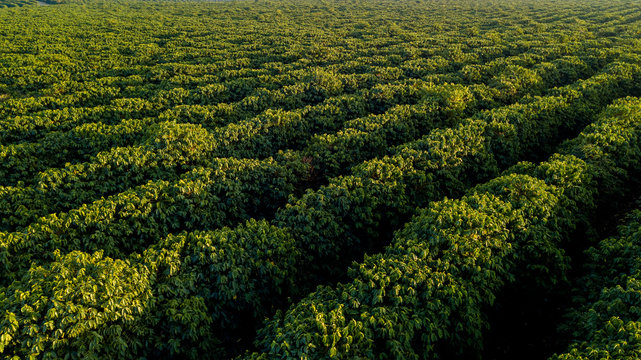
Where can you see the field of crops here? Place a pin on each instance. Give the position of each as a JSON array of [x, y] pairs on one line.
[[320, 179]]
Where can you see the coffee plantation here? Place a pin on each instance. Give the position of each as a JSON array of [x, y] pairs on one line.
[[320, 179]]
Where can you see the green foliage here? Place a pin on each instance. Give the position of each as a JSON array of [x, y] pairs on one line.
[[208, 283], [81, 306], [450, 261], [605, 321], [227, 192], [174, 173], [14, 3]]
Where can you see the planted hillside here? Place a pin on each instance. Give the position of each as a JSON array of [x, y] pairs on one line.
[[316, 179]]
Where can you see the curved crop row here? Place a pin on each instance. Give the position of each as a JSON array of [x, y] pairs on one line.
[[432, 283], [48, 232], [352, 212], [253, 77], [21, 162], [102, 225], [35, 117], [334, 196]]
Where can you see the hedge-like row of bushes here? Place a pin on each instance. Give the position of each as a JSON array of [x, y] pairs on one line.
[[22, 162], [193, 108], [127, 222], [244, 96], [401, 205], [35, 125], [49, 148], [249, 84], [424, 296]]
